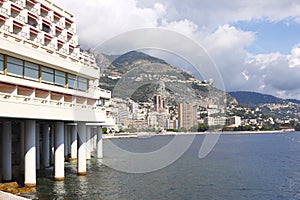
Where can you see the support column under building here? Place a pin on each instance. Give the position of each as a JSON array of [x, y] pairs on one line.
[[66, 130], [30, 153], [99, 143], [52, 145], [81, 152], [37, 146], [88, 142], [46, 146], [59, 158], [6, 151], [22, 144], [73, 143]]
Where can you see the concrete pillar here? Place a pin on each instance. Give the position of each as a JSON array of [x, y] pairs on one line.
[[99, 143], [88, 142], [46, 145], [37, 146], [94, 141], [22, 144], [30, 153], [66, 141], [52, 145], [73, 143], [81, 152], [59, 158], [69, 138], [6, 151]]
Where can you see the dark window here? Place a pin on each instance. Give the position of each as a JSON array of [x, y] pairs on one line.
[[47, 75], [82, 84], [72, 82], [14, 66], [1, 63], [60, 78], [31, 70]]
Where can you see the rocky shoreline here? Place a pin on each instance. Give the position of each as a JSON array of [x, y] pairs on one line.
[[13, 188]]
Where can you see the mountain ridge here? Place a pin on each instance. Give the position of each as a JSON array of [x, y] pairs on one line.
[[248, 98]]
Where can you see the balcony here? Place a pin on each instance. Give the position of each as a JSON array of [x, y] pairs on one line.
[[18, 2], [5, 27], [33, 10], [22, 34], [18, 17], [55, 109], [3, 11]]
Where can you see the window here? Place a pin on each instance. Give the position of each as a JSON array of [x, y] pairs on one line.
[[60, 78], [1, 63], [82, 84], [72, 82], [47, 75], [14, 66], [31, 70]]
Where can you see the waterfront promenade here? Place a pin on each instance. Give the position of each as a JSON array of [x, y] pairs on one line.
[[7, 196]]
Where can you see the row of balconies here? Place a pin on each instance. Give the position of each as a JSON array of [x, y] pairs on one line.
[[62, 51], [43, 11]]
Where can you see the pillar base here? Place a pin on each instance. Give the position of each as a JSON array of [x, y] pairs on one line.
[[59, 178], [30, 184], [81, 173], [72, 160]]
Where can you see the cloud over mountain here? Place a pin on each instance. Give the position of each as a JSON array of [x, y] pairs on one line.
[[212, 23]]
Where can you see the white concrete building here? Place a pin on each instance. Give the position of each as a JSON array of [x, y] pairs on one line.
[[46, 84]]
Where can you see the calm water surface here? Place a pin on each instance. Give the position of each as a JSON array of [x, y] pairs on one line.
[[239, 167]]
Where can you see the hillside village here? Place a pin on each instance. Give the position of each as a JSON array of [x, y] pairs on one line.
[[193, 105]]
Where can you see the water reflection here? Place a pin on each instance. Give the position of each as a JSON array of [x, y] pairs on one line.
[[59, 189]]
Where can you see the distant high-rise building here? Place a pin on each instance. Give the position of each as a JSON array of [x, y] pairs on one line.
[[159, 104], [187, 115]]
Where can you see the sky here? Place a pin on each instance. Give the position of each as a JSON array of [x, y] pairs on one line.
[[255, 44]]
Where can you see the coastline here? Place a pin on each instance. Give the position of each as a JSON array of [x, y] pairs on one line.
[[150, 134]]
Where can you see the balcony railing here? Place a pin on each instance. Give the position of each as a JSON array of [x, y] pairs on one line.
[[63, 50], [22, 34], [5, 27], [18, 17], [72, 42], [62, 37], [71, 29], [31, 9], [51, 46], [18, 2], [3, 11], [38, 40], [74, 54], [59, 23]]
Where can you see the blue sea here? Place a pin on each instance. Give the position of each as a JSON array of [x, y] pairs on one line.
[[246, 166]]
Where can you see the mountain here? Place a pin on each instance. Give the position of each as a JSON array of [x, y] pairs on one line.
[[253, 98], [139, 76]]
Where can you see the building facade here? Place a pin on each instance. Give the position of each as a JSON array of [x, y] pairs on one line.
[[48, 87], [187, 115]]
